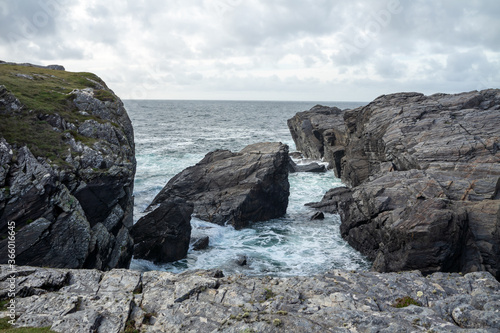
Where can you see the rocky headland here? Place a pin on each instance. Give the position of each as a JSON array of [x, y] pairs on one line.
[[67, 169], [422, 176], [205, 301]]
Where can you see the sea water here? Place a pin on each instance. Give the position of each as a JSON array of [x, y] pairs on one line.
[[173, 135]]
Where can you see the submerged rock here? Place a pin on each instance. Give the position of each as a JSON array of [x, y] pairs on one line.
[[424, 173], [235, 188], [206, 301], [200, 243], [67, 170]]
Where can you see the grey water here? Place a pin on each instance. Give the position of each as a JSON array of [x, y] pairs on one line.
[[171, 135]]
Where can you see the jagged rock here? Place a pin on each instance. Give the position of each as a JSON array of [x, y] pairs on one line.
[[163, 235], [319, 134], [70, 197], [235, 188], [318, 216], [241, 260], [200, 243], [425, 175], [311, 167], [206, 301]]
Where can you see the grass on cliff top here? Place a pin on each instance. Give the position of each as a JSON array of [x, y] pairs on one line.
[[45, 91], [48, 89]]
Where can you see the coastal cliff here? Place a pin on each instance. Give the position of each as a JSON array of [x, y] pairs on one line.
[[67, 169], [424, 179]]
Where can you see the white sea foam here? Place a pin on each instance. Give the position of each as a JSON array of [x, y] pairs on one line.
[[292, 245]]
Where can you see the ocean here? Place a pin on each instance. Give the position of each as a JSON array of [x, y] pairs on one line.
[[171, 135]]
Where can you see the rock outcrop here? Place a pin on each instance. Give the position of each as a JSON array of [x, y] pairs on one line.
[[424, 177], [319, 134], [206, 301], [234, 188], [67, 169], [164, 234]]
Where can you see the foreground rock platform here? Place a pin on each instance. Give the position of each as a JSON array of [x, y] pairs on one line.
[[206, 301], [234, 188], [423, 177]]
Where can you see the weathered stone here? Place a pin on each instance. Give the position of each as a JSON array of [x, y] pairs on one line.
[[200, 243], [163, 235], [424, 173], [235, 188], [319, 134], [74, 210], [337, 301], [310, 167]]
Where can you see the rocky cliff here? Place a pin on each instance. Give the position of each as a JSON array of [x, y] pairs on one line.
[[424, 177], [67, 169], [206, 301]]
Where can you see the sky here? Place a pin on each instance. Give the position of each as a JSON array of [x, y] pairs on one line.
[[291, 50]]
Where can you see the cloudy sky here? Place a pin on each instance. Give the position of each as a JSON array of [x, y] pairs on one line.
[[311, 50]]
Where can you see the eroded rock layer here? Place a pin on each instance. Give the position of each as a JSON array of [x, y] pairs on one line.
[[234, 188], [67, 169], [424, 178]]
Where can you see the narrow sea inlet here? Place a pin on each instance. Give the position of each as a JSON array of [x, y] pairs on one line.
[[173, 135]]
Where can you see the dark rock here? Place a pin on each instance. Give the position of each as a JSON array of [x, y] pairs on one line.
[[311, 167], [235, 188], [241, 260], [72, 205], [296, 155], [163, 235], [318, 216], [424, 173], [319, 133], [200, 243]]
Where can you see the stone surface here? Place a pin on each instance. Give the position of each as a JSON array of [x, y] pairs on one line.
[[206, 301], [424, 177], [164, 234], [74, 211], [235, 188], [319, 134], [306, 167]]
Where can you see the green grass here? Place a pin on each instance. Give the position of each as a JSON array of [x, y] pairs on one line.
[[7, 328], [47, 93], [405, 301]]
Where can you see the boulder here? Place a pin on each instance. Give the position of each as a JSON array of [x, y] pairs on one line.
[[163, 235], [200, 243], [67, 170], [424, 175], [235, 188]]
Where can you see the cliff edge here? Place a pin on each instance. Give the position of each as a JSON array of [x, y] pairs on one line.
[[67, 169], [424, 181]]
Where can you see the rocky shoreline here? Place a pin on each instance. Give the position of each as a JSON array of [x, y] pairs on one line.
[[423, 176], [205, 301]]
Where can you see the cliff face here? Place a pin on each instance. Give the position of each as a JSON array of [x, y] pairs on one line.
[[67, 169], [424, 173], [206, 301]]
